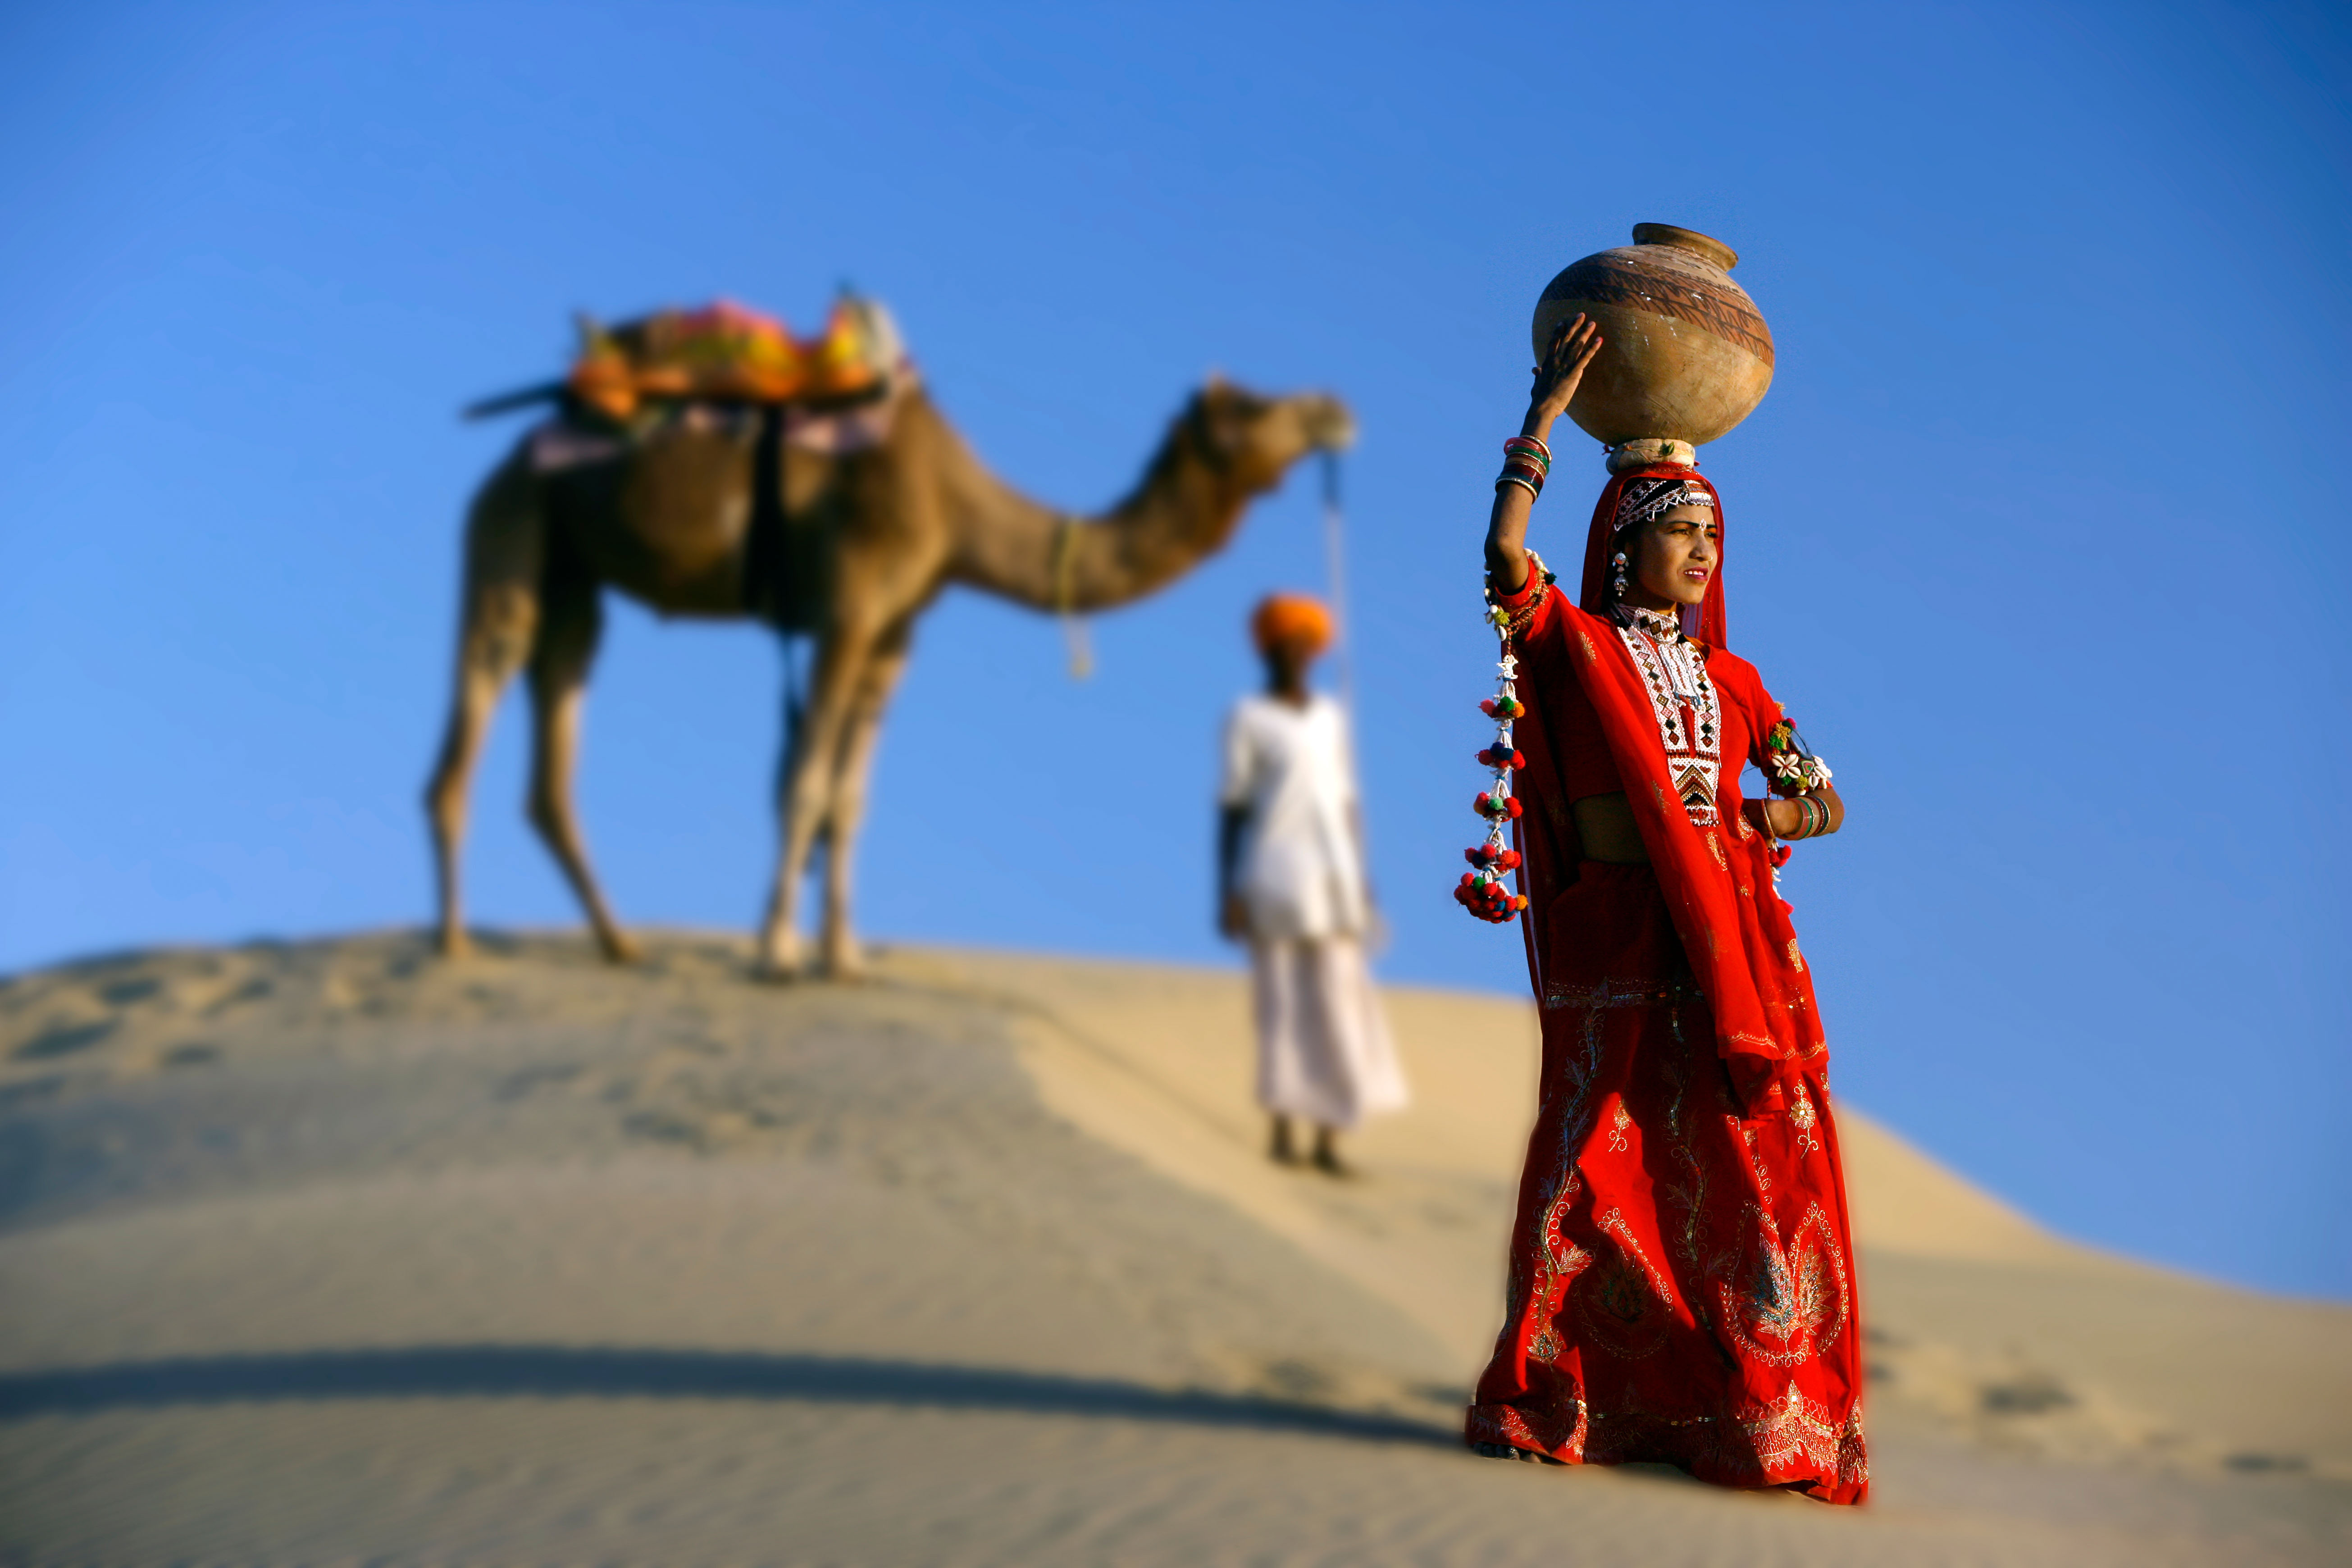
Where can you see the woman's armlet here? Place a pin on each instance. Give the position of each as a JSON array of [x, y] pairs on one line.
[[1531, 608]]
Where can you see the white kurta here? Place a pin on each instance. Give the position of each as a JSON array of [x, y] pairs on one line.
[[1324, 1049], [1288, 767]]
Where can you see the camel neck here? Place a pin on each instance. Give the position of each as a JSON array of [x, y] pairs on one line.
[[1010, 544]]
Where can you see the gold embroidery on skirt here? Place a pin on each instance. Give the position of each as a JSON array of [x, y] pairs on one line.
[[1785, 1302], [1626, 1307], [1794, 1428]]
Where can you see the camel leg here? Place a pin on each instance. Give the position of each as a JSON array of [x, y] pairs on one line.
[[838, 951], [501, 618], [571, 622], [806, 789]]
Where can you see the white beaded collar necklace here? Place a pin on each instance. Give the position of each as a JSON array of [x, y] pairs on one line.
[[1667, 626], [1673, 668]]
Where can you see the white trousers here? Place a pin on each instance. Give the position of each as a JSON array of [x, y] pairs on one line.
[[1323, 1048]]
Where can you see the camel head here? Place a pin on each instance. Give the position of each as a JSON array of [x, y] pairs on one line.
[[1253, 440]]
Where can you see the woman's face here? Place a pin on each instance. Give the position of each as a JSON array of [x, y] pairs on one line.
[[1675, 556]]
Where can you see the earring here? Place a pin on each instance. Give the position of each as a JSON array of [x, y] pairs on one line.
[[1617, 584]]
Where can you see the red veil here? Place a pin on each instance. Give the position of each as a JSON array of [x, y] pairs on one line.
[[1591, 597], [1716, 881]]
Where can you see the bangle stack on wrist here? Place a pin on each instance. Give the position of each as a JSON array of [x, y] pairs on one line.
[[1527, 463], [1812, 816]]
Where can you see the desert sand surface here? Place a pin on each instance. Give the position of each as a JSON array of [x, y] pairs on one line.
[[329, 1252]]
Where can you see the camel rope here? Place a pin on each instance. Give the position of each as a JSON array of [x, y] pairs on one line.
[[1074, 626], [1335, 568], [1343, 653]]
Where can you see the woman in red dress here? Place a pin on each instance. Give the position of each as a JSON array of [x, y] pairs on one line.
[[1682, 1285]]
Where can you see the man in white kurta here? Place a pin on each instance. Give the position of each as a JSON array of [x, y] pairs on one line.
[[1293, 885]]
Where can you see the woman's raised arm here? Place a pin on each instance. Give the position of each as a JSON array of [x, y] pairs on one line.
[[1572, 348]]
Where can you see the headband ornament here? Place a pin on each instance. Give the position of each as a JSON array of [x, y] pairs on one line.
[[1646, 499]]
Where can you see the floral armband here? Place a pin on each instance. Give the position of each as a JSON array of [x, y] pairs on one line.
[[1792, 767], [1512, 614]]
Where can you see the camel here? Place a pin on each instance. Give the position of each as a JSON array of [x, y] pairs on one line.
[[858, 545]]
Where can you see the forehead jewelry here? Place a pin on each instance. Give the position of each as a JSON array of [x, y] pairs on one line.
[[1646, 499]]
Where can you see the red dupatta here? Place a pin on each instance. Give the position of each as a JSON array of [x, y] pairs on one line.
[[1716, 881], [1591, 595]]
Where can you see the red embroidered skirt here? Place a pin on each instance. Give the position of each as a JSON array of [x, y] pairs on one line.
[[1682, 1280]]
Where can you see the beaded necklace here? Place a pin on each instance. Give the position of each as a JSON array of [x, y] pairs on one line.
[[1683, 701]]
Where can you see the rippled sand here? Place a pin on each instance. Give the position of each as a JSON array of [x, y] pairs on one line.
[[329, 1252]]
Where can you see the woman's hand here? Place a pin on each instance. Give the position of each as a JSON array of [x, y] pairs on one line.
[[1572, 348], [1562, 371]]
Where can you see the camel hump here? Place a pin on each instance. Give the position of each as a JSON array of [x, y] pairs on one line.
[[726, 352]]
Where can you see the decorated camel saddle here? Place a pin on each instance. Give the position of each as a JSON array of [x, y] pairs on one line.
[[723, 367], [726, 352]]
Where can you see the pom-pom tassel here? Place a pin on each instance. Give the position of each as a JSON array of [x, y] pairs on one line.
[[1482, 891]]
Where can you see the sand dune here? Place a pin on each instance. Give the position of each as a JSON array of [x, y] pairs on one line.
[[328, 1252]]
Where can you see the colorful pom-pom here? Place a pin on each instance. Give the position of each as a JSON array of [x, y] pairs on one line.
[[1481, 890]]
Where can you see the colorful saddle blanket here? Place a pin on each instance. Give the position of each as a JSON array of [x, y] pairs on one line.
[[728, 354]]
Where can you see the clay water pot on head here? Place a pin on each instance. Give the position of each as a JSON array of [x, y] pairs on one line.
[[1687, 355]]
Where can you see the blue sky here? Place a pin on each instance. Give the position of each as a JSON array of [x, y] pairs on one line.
[[2039, 532]]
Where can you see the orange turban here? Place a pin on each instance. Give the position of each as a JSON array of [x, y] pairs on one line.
[[1281, 617]]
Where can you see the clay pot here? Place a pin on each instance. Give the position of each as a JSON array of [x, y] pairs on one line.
[[1686, 356]]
